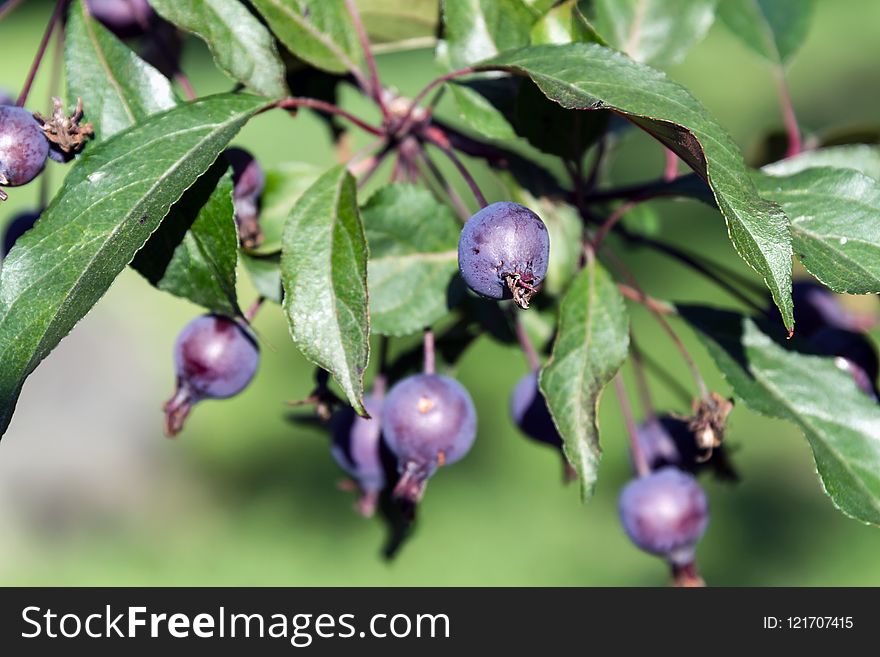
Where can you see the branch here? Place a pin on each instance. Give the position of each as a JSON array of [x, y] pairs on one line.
[[639, 460], [436, 137], [321, 106], [41, 50], [375, 84]]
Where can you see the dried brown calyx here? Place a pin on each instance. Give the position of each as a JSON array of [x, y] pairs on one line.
[[709, 421], [521, 289], [66, 132]]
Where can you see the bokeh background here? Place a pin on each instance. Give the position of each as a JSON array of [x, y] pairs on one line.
[[92, 494]]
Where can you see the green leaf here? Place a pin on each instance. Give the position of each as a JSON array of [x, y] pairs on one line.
[[112, 199], [835, 224], [589, 76], [392, 21], [591, 345], [477, 29], [285, 183], [410, 269], [119, 87], [841, 423], [861, 157], [194, 253], [774, 29], [478, 113], [658, 32], [265, 274], [324, 272], [242, 47], [318, 31]]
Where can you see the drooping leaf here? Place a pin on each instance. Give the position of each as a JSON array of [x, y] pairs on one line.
[[194, 253], [324, 272], [242, 47], [589, 76], [413, 258], [774, 29], [119, 87], [285, 183], [841, 423], [658, 32], [390, 22], [564, 23], [474, 30], [112, 200], [861, 157], [318, 31], [835, 224], [591, 345]]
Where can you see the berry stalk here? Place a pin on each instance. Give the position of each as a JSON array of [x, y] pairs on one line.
[[60, 5]]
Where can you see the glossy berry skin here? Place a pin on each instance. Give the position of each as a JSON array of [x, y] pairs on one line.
[[19, 225], [428, 421], [125, 18], [248, 182], [854, 354], [23, 147], [665, 513], [356, 448], [215, 357], [503, 252]]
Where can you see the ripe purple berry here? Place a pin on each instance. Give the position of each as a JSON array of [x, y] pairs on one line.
[[503, 252], [665, 513], [428, 421], [19, 225], [357, 449], [125, 18], [853, 353], [215, 357], [23, 147]]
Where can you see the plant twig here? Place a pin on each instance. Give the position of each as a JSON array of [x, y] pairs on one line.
[[451, 193], [41, 50], [788, 116], [321, 106], [7, 7], [642, 381], [525, 342], [254, 308], [638, 455], [375, 84], [429, 352], [670, 170], [610, 222], [438, 139], [652, 304], [407, 122]]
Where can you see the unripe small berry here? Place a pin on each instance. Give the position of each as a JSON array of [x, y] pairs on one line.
[[428, 421], [215, 357], [503, 252], [23, 147], [665, 513], [356, 448]]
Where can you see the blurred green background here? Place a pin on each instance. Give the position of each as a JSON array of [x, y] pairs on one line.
[[92, 494]]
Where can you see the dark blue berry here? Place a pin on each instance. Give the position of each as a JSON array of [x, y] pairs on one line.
[[356, 448], [248, 182], [19, 225], [215, 357], [428, 421], [23, 147], [125, 18], [816, 307], [503, 252], [854, 354], [665, 513]]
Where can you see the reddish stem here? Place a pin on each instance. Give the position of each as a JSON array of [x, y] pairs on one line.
[[320, 105], [610, 222], [429, 352], [525, 343], [652, 304], [407, 122], [670, 170], [639, 460], [788, 116], [251, 312], [453, 196], [41, 50], [375, 84], [7, 7], [436, 137]]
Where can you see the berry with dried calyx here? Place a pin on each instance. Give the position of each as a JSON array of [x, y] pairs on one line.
[[428, 421], [356, 448], [66, 135], [503, 252], [668, 440], [215, 357], [23, 148]]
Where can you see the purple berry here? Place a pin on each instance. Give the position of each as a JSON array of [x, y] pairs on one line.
[[658, 445], [215, 357], [854, 354], [503, 252], [357, 449], [428, 421], [125, 18], [19, 225], [248, 182], [23, 147], [665, 513], [816, 307]]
